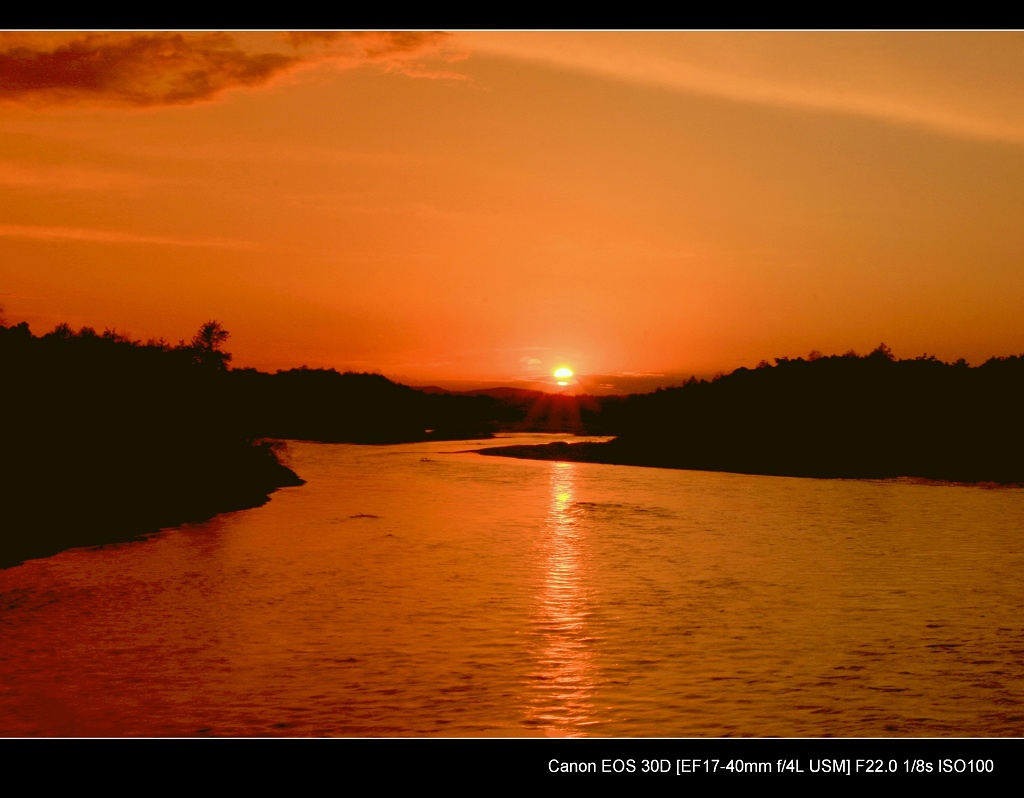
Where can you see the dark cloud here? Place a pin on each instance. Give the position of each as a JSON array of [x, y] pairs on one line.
[[162, 68]]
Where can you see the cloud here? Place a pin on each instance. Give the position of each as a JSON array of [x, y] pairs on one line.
[[113, 237], [411, 53], [959, 84], [155, 69]]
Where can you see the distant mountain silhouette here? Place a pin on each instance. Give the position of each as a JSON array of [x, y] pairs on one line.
[[325, 405]]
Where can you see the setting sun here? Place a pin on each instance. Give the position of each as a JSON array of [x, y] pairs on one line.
[[562, 374]]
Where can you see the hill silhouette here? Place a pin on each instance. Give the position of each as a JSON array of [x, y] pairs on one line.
[[329, 406], [838, 416]]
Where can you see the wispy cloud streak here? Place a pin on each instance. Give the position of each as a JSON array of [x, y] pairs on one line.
[[113, 237], [66, 178], [960, 84]]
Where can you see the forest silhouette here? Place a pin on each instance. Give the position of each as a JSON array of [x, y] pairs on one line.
[[110, 438], [846, 416]]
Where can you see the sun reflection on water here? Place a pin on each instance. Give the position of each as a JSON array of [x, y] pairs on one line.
[[561, 686]]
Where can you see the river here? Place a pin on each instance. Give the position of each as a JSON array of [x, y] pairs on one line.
[[424, 590]]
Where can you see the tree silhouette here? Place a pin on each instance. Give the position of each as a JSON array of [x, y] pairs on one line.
[[207, 346]]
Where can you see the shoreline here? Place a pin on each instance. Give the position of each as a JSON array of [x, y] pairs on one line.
[[613, 453], [118, 517]]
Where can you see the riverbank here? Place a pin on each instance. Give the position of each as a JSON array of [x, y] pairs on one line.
[[107, 439], [50, 511], [618, 452]]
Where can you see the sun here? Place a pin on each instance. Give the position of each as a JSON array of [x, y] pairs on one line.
[[563, 374]]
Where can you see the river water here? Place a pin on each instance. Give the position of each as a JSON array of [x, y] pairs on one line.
[[423, 590]]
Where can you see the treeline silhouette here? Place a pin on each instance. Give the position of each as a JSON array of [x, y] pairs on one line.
[[869, 416], [108, 438], [328, 406]]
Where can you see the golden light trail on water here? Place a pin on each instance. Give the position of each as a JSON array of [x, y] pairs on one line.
[[563, 683]]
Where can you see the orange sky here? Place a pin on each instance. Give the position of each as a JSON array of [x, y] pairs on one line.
[[487, 206]]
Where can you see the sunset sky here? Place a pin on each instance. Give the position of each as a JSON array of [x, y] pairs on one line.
[[489, 206]]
